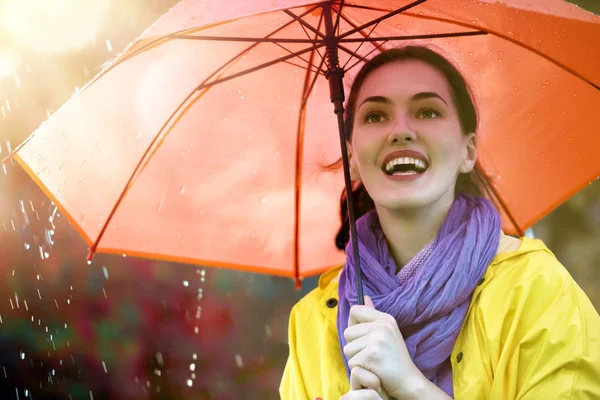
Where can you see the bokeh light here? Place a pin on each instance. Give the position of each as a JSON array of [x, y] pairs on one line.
[[53, 26], [9, 62]]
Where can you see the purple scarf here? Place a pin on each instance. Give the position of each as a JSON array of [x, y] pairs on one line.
[[431, 294]]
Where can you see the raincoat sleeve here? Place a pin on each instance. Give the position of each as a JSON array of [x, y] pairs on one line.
[[292, 385], [547, 337]]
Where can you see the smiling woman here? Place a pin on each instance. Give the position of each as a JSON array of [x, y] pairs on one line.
[[455, 308]]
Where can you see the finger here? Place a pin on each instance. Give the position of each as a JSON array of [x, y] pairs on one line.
[[364, 394], [361, 378], [353, 348], [369, 302], [359, 314], [357, 331]]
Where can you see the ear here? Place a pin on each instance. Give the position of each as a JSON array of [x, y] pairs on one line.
[[470, 157], [354, 172]]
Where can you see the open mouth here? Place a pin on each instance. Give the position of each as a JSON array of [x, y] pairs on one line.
[[405, 166]]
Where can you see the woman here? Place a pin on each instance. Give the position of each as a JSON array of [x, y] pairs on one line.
[[455, 308]]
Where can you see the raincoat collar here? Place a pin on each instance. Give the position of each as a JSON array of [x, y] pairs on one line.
[[328, 281]]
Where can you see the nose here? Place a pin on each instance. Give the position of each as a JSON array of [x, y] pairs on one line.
[[401, 133]]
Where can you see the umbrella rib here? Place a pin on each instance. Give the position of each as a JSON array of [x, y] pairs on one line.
[[365, 35], [245, 39], [304, 23], [306, 68], [312, 84], [367, 55], [336, 26], [318, 29], [366, 7], [382, 18], [414, 37], [298, 174], [352, 54], [258, 67], [301, 58]]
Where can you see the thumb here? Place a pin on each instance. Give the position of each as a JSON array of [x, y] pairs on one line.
[[369, 302]]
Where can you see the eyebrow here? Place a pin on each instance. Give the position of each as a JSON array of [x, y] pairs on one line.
[[416, 97]]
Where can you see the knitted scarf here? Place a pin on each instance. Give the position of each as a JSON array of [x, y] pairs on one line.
[[431, 294]]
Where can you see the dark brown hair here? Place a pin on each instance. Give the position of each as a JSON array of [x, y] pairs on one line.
[[474, 183]]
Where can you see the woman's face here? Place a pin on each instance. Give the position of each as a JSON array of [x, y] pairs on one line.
[[407, 145]]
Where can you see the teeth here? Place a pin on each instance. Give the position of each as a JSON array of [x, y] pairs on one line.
[[422, 165]]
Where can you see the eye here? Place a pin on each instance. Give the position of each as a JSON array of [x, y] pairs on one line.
[[428, 113], [374, 118]]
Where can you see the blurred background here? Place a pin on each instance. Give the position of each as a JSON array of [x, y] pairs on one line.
[[125, 328]]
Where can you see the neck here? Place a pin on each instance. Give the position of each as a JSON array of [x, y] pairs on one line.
[[409, 231]]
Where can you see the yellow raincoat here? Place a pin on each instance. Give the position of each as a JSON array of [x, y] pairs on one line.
[[530, 333]]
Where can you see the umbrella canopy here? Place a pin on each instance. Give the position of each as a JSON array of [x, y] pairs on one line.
[[205, 141]]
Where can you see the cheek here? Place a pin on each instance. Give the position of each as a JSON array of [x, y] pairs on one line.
[[367, 146]]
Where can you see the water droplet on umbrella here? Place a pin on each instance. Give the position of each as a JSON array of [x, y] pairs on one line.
[[263, 199], [89, 262], [182, 190], [190, 382], [22, 356], [192, 367], [186, 283]]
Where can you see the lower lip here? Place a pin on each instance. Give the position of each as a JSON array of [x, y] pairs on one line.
[[404, 178]]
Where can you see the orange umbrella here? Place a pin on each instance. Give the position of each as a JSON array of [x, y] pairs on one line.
[[204, 141]]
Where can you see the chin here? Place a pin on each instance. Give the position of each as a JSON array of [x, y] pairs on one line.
[[415, 199]]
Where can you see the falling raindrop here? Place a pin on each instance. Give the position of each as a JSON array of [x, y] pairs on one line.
[[238, 361]]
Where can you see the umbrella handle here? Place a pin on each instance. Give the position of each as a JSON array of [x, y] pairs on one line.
[[335, 76]]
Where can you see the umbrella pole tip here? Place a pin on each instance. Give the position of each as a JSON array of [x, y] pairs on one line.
[[298, 284], [7, 159], [90, 255]]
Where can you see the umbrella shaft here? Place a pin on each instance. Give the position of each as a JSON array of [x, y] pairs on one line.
[[335, 76]]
